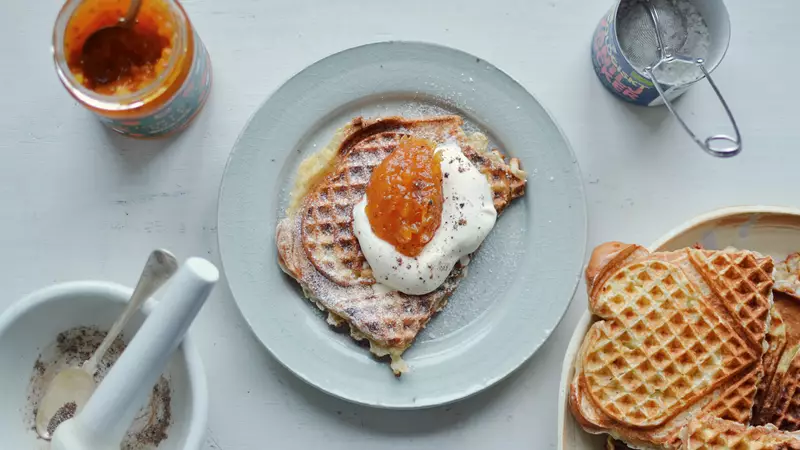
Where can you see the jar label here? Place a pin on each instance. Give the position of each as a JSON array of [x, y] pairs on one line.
[[179, 111], [614, 70]]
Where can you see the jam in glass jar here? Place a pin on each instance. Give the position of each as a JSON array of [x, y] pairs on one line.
[[146, 79]]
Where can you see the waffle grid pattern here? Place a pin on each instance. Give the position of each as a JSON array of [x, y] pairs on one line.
[[327, 225], [744, 284], [718, 434], [660, 347], [327, 228], [735, 404], [394, 319], [390, 320]]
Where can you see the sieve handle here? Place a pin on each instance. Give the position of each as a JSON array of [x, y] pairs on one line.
[[720, 145]]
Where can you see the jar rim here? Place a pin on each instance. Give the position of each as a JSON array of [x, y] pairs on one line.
[[126, 102]]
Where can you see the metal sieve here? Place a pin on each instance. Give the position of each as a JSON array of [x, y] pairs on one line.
[[721, 145], [649, 52]]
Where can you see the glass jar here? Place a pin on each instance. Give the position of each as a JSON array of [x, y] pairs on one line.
[[152, 93]]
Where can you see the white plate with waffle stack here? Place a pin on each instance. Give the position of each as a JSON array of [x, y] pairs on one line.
[[773, 231], [519, 283]]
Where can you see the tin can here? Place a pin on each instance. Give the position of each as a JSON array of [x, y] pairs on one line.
[[621, 78], [158, 107], [679, 53]]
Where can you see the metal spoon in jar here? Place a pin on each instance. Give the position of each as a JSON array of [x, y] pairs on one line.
[[130, 16], [72, 387], [97, 45]]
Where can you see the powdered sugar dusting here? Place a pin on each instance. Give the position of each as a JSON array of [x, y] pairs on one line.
[[391, 319], [496, 260], [409, 105]]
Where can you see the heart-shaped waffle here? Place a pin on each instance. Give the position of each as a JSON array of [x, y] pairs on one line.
[[680, 334]]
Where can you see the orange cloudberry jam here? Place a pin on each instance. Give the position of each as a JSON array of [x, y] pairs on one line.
[[144, 79], [114, 60], [404, 196]]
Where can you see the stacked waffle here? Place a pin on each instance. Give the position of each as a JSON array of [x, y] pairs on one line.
[[690, 348], [779, 390], [712, 434]]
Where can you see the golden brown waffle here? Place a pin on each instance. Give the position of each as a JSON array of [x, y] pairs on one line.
[[776, 345], [737, 402], [780, 392], [327, 209], [786, 413], [710, 433], [680, 334], [317, 247], [742, 282]]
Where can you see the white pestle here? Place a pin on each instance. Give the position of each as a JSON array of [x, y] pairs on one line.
[[108, 414]]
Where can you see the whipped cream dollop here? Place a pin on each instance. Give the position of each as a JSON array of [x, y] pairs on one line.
[[468, 216]]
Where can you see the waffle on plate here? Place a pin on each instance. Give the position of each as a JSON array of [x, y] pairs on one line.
[[680, 335], [317, 245], [779, 391]]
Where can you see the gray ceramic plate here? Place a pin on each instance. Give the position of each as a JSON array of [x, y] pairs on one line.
[[518, 286]]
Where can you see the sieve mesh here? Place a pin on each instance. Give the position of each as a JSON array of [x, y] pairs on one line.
[[637, 36]]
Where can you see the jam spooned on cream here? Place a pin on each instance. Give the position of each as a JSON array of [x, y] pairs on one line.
[[393, 223]]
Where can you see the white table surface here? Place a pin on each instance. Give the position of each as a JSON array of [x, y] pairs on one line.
[[79, 202]]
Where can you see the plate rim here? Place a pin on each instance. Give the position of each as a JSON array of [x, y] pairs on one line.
[[582, 326], [475, 388]]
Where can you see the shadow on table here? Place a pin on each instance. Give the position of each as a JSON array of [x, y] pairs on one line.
[[657, 117], [652, 117], [135, 155]]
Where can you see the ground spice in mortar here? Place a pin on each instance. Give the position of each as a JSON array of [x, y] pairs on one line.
[[158, 421], [39, 367], [64, 413], [71, 349], [81, 342]]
